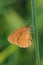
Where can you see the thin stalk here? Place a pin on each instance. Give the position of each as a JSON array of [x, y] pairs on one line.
[[35, 33]]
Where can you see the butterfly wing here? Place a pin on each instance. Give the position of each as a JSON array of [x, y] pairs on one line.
[[21, 37], [24, 40]]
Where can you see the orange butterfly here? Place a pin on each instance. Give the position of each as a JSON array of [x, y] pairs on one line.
[[21, 37]]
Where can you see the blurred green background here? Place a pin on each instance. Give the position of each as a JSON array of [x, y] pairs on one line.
[[13, 15]]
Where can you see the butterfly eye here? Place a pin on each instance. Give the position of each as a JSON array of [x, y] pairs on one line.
[[21, 37]]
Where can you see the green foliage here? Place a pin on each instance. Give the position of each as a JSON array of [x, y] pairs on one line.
[[13, 15]]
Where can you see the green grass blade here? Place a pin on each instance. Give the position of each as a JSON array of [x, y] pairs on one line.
[[35, 33]]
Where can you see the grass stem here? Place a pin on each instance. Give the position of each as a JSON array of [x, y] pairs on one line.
[[35, 33]]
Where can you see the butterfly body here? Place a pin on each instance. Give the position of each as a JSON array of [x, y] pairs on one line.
[[21, 37]]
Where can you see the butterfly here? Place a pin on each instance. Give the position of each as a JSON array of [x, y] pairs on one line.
[[21, 37]]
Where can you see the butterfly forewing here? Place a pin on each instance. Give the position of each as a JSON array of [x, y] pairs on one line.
[[21, 37]]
